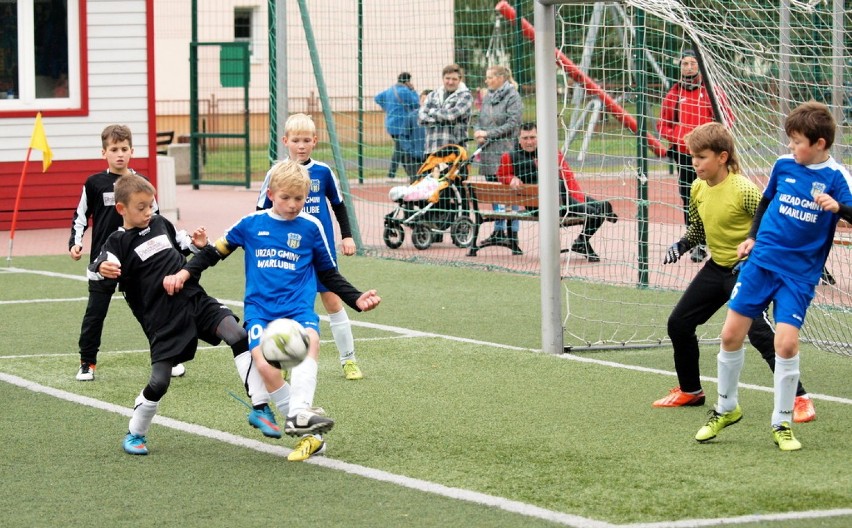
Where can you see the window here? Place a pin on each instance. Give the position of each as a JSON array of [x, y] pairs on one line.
[[242, 25], [39, 55], [246, 29]]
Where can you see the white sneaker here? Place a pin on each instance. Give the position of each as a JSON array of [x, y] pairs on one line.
[[178, 370], [86, 372], [308, 422]]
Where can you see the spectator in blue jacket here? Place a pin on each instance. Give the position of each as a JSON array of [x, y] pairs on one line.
[[397, 101], [413, 141]]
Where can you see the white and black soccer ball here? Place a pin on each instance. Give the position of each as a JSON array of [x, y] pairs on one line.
[[284, 343]]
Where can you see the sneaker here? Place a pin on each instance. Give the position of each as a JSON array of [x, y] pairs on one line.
[[717, 422], [783, 437], [352, 371], [86, 372], [307, 422], [135, 444], [803, 410], [585, 249], [496, 238], [699, 253], [264, 420], [678, 398], [827, 278], [307, 446], [178, 370]]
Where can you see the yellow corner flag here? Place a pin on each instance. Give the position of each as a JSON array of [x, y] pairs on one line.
[[39, 142]]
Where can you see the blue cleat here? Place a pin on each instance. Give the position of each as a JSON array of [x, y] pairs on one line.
[[264, 420], [135, 444]]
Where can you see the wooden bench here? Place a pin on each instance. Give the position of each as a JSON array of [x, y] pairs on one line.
[[164, 139], [490, 193]]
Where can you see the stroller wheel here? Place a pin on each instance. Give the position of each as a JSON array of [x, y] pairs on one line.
[[421, 236], [394, 236], [462, 232]]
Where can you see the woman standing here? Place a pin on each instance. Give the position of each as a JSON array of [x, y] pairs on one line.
[[499, 120]]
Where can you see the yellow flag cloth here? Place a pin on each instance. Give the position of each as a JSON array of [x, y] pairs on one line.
[[39, 142]]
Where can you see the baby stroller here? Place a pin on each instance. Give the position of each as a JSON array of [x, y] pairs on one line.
[[434, 204]]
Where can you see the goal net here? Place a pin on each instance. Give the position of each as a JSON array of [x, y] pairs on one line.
[[763, 61], [615, 63]]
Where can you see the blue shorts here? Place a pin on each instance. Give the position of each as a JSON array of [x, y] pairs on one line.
[[756, 287], [255, 326]]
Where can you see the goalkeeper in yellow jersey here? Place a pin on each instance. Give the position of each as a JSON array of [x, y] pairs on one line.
[[721, 208]]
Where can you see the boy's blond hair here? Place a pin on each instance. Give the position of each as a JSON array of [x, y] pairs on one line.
[[289, 175], [300, 123], [812, 120], [128, 184], [116, 134], [715, 137]]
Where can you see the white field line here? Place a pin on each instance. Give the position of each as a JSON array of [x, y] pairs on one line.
[[474, 497], [422, 485]]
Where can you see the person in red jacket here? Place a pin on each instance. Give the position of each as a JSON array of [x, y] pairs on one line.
[[687, 105], [520, 166]]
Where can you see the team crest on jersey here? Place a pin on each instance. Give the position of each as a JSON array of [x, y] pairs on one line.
[[315, 185], [293, 240], [817, 188]]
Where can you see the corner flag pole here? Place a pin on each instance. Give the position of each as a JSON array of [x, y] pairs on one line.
[[17, 203], [38, 141]]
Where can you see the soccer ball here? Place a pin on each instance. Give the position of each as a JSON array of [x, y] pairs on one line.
[[284, 343]]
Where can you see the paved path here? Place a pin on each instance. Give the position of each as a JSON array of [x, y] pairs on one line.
[[216, 208]]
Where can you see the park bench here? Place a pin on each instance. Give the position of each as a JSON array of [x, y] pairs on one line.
[[488, 193], [164, 139]]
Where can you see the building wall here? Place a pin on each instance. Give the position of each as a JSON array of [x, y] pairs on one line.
[[397, 36], [118, 92]]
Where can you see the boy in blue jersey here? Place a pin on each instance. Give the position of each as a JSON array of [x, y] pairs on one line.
[[300, 138], [287, 252], [790, 238]]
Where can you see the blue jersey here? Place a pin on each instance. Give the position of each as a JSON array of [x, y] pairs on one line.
[[325, 188], [281, 261], [795, 234]]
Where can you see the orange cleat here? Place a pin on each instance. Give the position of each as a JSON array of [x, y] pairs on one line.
[[678, 398], [803, 410]]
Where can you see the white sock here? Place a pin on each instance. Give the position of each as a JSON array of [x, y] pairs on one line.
[[250, 377], [281, 399], [729, 365], [786, 382], [304, 381], [143, 413], [341, 330]]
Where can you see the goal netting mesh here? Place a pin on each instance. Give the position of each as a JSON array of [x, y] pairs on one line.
[[764, 61], [615, 62]]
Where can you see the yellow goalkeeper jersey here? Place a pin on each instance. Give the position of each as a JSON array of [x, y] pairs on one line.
[[722, 214]]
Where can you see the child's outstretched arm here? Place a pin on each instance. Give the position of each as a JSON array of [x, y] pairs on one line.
[[342, 216], [199, 237], [368, 300], [828, 203], [337, 283]]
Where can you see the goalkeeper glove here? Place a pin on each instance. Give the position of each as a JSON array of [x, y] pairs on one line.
[[675, 251]]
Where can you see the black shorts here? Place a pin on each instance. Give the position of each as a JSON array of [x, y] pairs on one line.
[[197, 316]]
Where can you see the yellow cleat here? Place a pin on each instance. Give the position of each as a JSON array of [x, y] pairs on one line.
[[308, 445], [717, 422], [783, 437], [351, 370]]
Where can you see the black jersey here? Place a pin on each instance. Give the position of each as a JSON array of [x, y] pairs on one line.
[[172, 323], [98, 203]]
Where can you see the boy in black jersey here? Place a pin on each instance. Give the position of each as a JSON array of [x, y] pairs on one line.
[[147, 257], [98, 203]]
